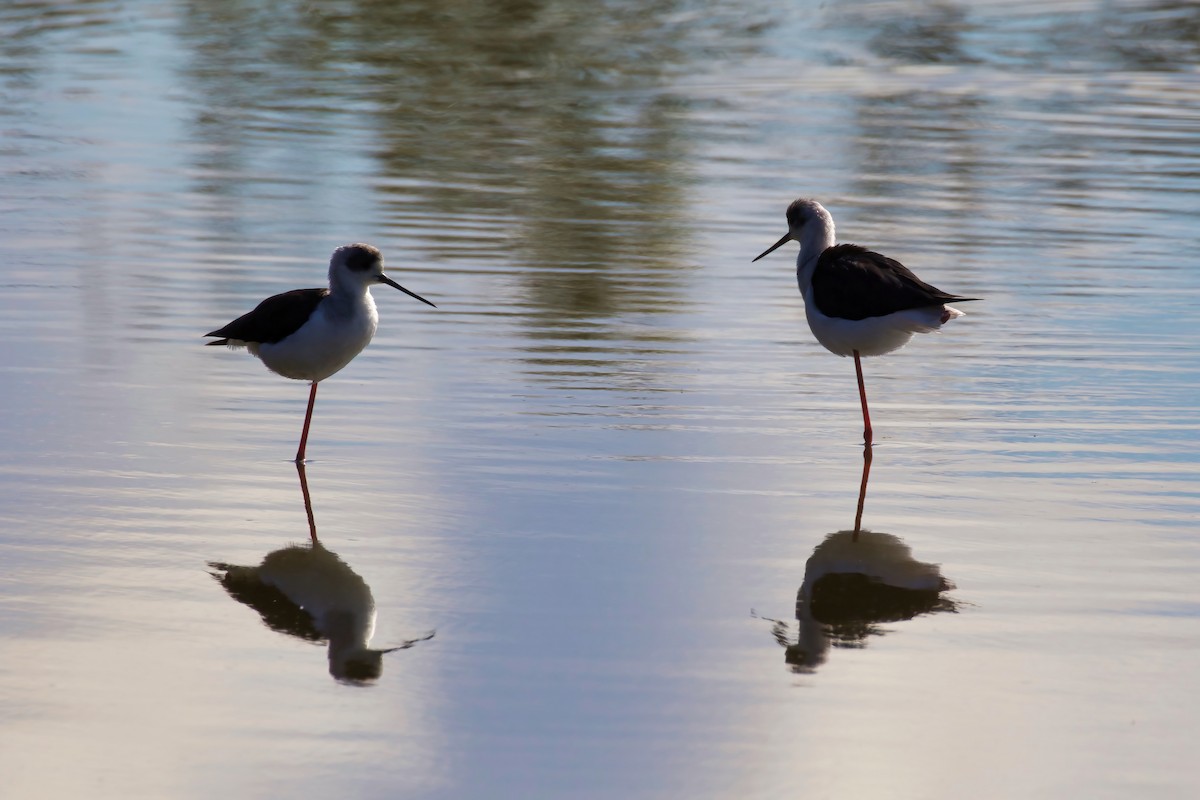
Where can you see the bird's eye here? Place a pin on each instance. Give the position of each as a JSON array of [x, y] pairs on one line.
[[360, 261]]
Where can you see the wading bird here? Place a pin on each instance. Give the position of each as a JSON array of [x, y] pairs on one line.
[[858, 302], [309, 334]]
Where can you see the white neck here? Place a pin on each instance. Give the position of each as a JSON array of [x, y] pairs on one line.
[[816, 237], [348, 295], [342, 282]]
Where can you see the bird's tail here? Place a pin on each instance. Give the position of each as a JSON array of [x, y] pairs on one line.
[[949, 313]]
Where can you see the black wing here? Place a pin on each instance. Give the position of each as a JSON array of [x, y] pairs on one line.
[[274, 319], [852, 282]]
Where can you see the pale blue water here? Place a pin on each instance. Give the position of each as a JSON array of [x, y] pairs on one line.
[[599, 470]]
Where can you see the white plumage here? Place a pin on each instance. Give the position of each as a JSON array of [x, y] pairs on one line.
[[326, 343]]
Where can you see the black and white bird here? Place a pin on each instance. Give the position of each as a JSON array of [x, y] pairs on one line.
[[309, 334], [858, 302]]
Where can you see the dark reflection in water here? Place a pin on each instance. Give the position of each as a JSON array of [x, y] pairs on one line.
[[929, 33], [855, 581], [1151, 36], [1161, 35], [308, 592], [939, 154]]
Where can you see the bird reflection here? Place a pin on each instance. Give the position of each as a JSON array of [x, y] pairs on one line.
[[308, 592], [854, 581]]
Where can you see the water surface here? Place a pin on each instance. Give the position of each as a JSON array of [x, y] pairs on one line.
[[605, 468]]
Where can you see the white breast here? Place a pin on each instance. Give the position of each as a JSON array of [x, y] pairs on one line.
[[324, 344]]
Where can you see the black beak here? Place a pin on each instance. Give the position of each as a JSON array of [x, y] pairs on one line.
[[392, 283], [787, 237], [410, 642]]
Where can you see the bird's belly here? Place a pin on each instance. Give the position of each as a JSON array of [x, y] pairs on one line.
[[318, 349], [872, 336]]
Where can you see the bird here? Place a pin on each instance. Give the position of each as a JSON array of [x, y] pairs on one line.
[[309, 334], [858, 302]]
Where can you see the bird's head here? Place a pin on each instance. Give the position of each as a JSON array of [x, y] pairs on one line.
[[363, 263], [803, 214]]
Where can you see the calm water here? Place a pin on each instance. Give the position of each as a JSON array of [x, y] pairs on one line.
[[613, 473]]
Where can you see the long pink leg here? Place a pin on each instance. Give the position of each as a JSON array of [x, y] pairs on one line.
[[312, 522], [862, 489], [862, 395], [312, 398]]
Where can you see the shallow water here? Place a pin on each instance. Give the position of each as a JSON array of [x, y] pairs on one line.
[[601, 470]]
